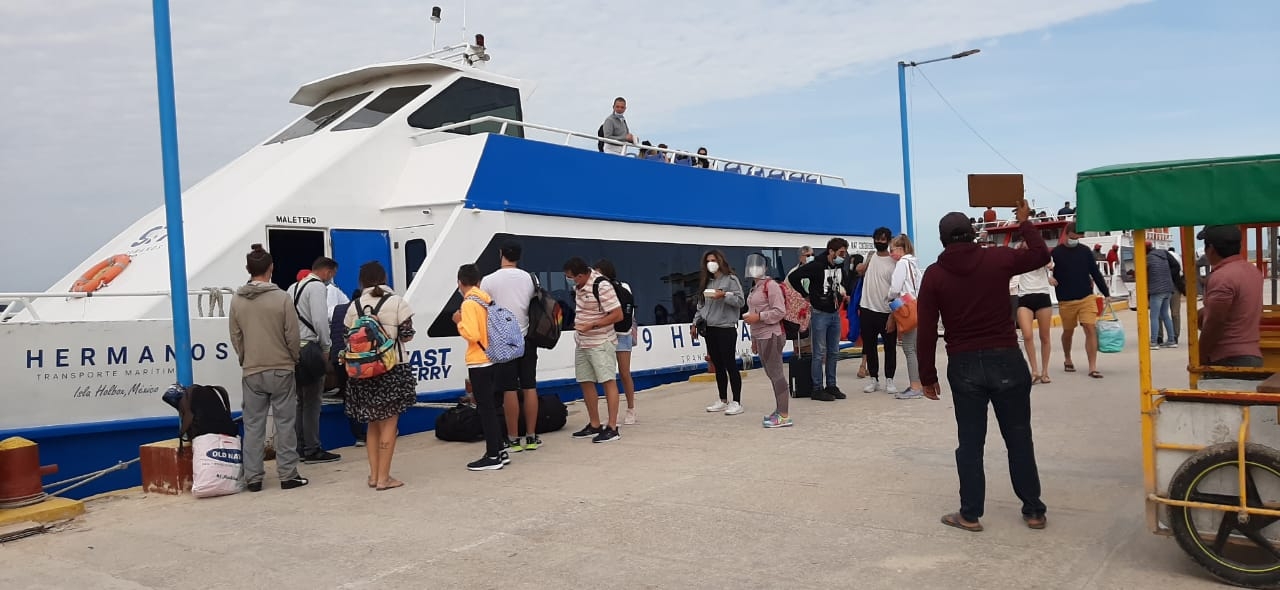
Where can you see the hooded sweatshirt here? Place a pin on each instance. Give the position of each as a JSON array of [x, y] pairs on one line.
[[264, 328], [722, 313], [969, 289], [473, 327]]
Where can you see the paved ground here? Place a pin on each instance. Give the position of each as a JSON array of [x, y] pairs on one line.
[[848, 498]]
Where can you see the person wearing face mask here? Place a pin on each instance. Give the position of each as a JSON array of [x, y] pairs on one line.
[[720, 307], [826, 283], [906, 283], [766, 308], [310, 296], [1073, 267], [877, 276]]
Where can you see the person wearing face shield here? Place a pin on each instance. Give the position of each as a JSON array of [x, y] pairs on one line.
[[877, 276], [719, 307], [1073, 267], [766, 307], [826, 283]]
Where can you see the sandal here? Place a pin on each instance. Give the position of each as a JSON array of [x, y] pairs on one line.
[[1036, 380], [392, 484], [1036, 522], [1095, 374], [1045, 379], [955, 520], [372, 484], [1068, 367]]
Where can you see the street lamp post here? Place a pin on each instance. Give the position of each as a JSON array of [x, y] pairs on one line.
[[906, 146]]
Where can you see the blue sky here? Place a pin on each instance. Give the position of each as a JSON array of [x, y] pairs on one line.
[[1058, 88]]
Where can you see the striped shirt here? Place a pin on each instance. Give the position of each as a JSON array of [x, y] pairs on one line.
[[590, 311]]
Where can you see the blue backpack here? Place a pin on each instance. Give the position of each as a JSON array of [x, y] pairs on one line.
[[506, 343]]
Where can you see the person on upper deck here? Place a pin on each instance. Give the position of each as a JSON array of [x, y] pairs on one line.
[[1066, 209], [615, 128], [1232, 312], [989, 216], [1073, 267]]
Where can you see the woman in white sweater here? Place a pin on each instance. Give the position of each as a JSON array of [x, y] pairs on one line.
[[1035, 304], [906, 282]]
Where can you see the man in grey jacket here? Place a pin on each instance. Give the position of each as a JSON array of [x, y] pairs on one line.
[[615, 128], [311, 300], [264, 333], [1159, 294]]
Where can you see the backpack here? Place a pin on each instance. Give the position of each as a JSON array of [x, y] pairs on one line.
[[797, 316], [370, 352], [625, 299], [505, 341], [600, 144], [545, 317], [552, 415], [203, 410]]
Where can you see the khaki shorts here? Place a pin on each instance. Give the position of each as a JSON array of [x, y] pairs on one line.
[[596, 365], [1081, 311]]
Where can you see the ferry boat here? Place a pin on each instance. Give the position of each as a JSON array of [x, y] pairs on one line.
[[1119, 276], [423, 165]]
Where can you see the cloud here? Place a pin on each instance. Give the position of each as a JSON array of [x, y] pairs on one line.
[[80, 149]]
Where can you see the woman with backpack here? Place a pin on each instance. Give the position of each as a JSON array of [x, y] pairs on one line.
[[380, 399], [906, 282], [719, 308], [767, 306], [626, 340]]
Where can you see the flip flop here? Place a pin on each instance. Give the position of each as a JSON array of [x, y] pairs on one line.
[[392, 484], [1045, 379], [1035, 380], [955, 520], [1095, 374], [372, 484], [1068, 367], [1035, 522]]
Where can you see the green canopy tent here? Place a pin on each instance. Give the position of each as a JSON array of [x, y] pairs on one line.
[[1215, 191]]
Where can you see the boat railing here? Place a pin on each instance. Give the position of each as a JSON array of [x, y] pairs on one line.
[[567, 137], [983, 226], [210, 302]]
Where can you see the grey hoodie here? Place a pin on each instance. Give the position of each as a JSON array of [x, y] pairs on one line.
[[313, 307], [615, 127], [264, 328], [722, 313]]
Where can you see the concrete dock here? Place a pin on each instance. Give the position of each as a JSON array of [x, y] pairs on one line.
[[849, 497]]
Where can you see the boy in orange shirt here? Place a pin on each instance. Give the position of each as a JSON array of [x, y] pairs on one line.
[[472, 320]]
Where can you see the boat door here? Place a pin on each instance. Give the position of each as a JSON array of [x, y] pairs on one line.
[[352, 248], [293, 249], [410, 247]]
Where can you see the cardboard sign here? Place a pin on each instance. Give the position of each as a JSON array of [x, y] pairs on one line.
[[995, 190]]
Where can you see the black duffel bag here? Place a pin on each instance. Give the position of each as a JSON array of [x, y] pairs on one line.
[[460, 423], [552, 414]]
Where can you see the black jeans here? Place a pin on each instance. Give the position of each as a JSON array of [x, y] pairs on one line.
[[721, 347], [999, 377], [873, 324], [484, 383]]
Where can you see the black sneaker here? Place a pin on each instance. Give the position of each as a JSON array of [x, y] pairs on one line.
[[822, 395], [296, 482], [321, 457], [836, 393], [588, 431], [486, 464], [506, 457], [254, 486], [607, 435]]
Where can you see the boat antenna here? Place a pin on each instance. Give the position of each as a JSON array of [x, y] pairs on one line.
[[435, 24], [464, 21]]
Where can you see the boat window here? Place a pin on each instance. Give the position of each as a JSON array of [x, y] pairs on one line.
[[663, 277], [469, 99], [415, 253], [318, 118], [381, 107]]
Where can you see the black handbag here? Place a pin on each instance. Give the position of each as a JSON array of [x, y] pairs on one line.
[[311, 361]]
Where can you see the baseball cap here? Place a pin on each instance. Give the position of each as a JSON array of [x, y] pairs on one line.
[[952, 223], [1219, 233]]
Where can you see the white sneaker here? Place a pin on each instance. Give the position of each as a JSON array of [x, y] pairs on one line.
[[630, 417], [719, 406], [891, 388], [735, 408], [872, 387]]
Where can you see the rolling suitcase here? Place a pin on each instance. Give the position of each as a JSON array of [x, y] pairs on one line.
[[800, 372]]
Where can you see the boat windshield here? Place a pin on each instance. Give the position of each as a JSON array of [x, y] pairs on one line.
[[381, 107], [319, 118]]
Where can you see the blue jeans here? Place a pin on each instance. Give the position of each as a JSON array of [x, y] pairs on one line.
[[824, 329], [1000, 378], [1160, 315]]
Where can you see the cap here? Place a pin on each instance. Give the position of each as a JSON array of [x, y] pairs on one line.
[[952, 223], [302, 274], [1219, 233]]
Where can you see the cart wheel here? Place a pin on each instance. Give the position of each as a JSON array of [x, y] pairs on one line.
[[1245, 554]]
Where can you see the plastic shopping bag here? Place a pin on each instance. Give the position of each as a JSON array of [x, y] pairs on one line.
[[1110, 333], [216, 465]]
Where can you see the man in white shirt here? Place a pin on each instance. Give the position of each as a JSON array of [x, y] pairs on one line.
[[513, 289], [873, 312]]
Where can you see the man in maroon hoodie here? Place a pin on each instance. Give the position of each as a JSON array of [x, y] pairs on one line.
[[968, 287]]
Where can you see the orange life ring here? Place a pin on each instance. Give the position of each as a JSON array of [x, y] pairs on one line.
[[101, 274]]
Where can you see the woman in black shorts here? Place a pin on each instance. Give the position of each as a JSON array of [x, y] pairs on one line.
[[1035, 304]]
